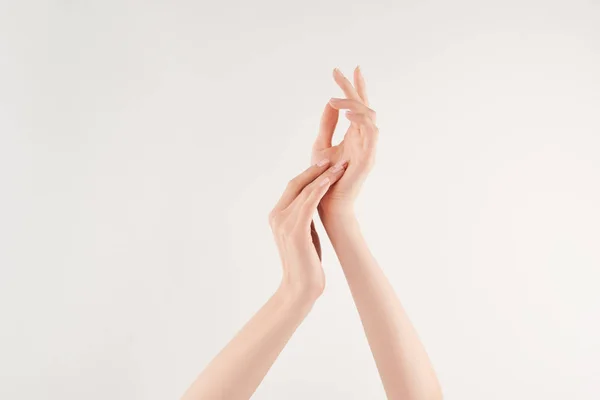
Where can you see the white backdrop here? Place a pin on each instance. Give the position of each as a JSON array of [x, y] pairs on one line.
[[142, 145]]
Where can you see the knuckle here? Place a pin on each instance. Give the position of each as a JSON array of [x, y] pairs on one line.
[[292, 183]]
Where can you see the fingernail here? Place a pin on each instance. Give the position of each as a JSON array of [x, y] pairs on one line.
[[338, 166], [323, 162], [324, 182]]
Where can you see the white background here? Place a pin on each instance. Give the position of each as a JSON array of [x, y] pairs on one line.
[[142, 145]]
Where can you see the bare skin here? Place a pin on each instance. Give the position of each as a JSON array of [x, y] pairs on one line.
[[331, 185], [238, 369], [401, 359]]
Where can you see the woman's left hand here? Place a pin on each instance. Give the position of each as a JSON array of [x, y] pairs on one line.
[[357, 147]]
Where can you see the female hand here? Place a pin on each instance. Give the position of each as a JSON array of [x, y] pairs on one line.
[[239, 368], [357, 147], [291, 222]]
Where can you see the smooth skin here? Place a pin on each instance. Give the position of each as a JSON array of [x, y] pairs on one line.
[[238, 369], [330, 186], [402, 362]]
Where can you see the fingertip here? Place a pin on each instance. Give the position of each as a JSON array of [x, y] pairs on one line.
[[338, 76], [339, 166], [335, 73], [334, 103]]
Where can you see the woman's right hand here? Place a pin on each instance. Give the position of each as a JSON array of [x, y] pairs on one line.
[[238, 369], [291, 223]]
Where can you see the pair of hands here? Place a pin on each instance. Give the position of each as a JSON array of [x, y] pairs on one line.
[[330, 185]]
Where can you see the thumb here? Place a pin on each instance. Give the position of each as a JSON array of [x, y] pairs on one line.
[[327, 126]]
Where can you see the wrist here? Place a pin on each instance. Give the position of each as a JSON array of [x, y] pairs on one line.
[[343, 229], [336, 205], [300, 294], [337, 215]]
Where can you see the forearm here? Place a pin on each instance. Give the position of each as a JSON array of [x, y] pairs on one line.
[[402, 362], [238, 369]]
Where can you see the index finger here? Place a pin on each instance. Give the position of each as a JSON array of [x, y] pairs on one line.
[[296, 185]]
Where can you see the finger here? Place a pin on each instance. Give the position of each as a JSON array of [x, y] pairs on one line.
[[363, 121], [296, 185], [356, 107], [306, 203], [329, 120], [366, 127], [360, 85], [345, 85]]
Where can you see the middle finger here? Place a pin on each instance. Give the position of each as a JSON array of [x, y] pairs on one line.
[[345, 85]]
